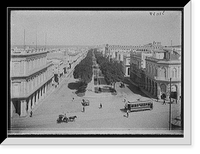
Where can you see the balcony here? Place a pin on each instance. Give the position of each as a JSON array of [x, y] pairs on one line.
[[152, 59], [166, 79]]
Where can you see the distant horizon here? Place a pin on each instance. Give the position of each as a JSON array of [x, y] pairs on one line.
[[91, 28], [21, 46]]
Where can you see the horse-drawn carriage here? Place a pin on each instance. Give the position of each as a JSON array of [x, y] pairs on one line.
[[85, 102], [63, 118]]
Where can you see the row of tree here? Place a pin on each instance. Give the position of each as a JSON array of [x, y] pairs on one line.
[[111, 69], [83, 71]]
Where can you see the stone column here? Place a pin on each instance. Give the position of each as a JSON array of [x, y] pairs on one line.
[[23, 111], [42, 94], [11, 109], [36, 99], [29, 104], [158, 91], [155, 89], [45, 89], [33, 101]]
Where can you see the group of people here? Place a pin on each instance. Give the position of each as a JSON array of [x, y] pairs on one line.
[[164, 100], [100, 106]]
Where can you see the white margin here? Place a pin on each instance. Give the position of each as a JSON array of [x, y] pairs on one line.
[[186, 140]]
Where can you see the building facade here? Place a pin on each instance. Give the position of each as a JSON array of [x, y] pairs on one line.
[[138, 65], [153, 65], [126, 65], [159, 71], [31, 78]]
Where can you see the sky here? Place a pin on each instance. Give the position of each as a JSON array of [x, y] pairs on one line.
[[95, 27]]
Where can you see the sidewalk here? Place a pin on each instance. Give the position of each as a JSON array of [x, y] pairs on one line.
[[148, 94], [51, 91]]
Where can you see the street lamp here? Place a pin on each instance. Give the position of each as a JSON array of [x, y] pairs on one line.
[[170, 105]]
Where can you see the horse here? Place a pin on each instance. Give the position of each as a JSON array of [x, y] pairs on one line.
[[72, 118]]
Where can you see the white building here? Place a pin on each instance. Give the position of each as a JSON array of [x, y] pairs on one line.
[[31, 78]]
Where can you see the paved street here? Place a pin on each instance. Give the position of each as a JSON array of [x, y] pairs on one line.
[[109, 119]]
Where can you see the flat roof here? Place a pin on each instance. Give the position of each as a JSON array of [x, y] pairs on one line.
[[140, 101]]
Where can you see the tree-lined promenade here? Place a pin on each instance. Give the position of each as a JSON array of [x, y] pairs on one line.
[[83, 71], [112, 70]]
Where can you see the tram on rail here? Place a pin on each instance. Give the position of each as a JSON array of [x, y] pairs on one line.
[[139, 105]]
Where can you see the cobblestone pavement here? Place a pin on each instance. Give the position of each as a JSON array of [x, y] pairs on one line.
[[110, 118]]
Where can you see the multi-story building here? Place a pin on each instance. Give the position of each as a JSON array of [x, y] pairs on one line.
[[117, 51], [126, 65], [31, 78], [59, 68], [120, 54], [152, 66], [160, 68], [138, 65]]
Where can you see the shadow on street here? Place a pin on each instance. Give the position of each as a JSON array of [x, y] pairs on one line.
[[75, 85], [123, 110], [134, 88]]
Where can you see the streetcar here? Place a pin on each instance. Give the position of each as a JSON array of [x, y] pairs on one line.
[[139, 105]]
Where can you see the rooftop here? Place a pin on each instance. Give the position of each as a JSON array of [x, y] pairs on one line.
[[27, 51]]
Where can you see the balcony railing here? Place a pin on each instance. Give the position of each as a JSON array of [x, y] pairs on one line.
[[166, 79], [152, 59]]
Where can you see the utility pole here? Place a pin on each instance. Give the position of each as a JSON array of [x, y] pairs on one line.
[[36, 40], [170, 105], [45, 40]]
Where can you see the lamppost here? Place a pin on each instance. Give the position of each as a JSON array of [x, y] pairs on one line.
[[170, 104]]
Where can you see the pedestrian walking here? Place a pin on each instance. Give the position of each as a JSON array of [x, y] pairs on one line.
[[31, 113], [83, 108], [124, 100], [100, 106], [164, 102], [127, 113], [72, 99], [163, 96]]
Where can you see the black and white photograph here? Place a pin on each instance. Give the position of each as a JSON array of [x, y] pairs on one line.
[[97, 73]]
